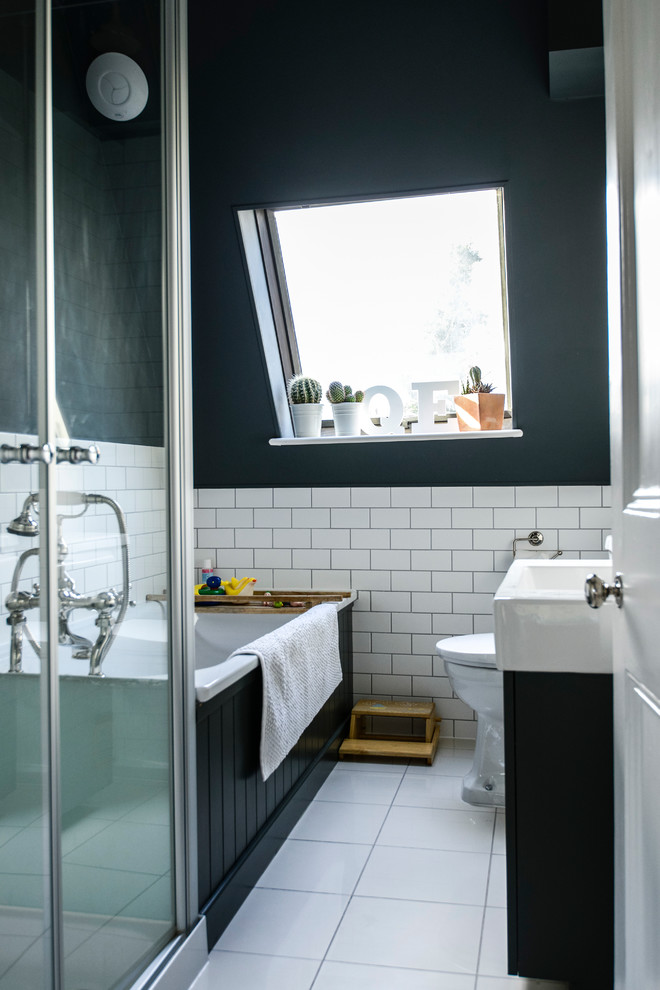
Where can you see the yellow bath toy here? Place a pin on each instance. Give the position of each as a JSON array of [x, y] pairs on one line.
[[235, 587]]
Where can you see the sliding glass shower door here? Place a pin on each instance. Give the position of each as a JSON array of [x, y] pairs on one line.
[[90, 653]]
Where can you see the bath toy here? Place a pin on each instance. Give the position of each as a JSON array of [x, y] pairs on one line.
[[213, 581], [234, 586]]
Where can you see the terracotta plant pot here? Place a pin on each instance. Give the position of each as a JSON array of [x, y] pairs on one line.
[[480, 411]]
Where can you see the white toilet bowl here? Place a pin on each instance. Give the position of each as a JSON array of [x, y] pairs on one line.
[[470, 664]]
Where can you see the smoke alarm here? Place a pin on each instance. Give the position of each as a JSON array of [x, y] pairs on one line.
[[117, 86]]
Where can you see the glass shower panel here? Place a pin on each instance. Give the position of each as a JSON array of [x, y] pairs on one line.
[[114, 683], [24, 836]]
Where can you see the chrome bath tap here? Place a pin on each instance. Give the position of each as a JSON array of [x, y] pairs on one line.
[[104, 603]]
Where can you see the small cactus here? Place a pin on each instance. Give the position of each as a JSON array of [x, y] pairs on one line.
[[475, 384], [340, 393], [336, 392], [302, 389]]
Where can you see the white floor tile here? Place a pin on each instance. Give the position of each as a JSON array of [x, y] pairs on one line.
[[431, 791], [413, 934], [365, 766], [499, 839], [348, 976], [448, 763], [425, 875], [433, 828], [497, 882], [493, 955], [335, 821], [516, 983], [284, 923], [227, 970], [324, 867], [362, 788]]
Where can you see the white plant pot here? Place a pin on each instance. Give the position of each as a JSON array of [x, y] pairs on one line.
[[306, 418], [347, 417]]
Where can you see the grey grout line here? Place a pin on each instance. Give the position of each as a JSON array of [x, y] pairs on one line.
[[348, 903]]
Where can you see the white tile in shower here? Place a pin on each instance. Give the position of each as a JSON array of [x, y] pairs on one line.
[[580, 495]]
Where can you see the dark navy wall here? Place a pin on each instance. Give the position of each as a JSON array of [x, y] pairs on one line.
[[292, 100]]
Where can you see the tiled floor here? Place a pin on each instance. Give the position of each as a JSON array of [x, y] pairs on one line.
[[388, 882], [116, 884]]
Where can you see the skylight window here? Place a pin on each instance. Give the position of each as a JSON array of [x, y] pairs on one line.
[[389, 292]]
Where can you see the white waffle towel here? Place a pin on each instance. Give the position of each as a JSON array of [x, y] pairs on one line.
[[301, 668]]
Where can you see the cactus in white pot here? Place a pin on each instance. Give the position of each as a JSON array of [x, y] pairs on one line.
[[346, 409], [305, 396]]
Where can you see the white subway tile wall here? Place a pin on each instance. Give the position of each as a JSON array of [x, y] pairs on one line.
[[425, 562], [134, 476]]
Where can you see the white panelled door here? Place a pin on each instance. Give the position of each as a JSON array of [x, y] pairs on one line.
[[632, 46]]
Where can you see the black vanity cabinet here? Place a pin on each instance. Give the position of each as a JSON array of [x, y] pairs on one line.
[[560, 827]]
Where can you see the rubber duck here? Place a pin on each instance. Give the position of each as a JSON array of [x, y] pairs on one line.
[[234, 586]]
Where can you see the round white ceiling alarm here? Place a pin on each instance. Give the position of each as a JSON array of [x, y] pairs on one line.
[[117, 86]]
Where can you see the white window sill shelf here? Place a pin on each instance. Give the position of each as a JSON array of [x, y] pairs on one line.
[[454, 434]]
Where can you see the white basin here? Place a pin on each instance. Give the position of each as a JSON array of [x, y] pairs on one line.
[[543, 623]]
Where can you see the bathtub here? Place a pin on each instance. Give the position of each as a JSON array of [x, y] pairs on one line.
[[140, 648]]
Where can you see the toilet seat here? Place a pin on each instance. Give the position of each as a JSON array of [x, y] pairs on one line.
[[477, 650]]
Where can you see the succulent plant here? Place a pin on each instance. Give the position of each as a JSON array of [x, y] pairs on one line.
[[302, 389], [475, 384], [342, 393]]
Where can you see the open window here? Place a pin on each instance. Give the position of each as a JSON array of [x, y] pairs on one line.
[[382, 292]]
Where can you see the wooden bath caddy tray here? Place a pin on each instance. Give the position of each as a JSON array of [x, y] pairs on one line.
[[360, 743], [292, 601]]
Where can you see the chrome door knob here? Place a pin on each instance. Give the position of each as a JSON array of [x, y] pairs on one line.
[[596, 591], [26, 453], [79, 455]]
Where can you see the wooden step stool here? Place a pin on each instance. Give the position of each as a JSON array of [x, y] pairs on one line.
[[360, 743]]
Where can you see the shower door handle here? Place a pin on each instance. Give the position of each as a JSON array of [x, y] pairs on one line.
[[79, 455], [26, 453]]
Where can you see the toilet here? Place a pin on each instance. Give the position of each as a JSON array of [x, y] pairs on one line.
[[470, 665]]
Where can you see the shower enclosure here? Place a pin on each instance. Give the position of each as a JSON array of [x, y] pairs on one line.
[[95, 828]]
